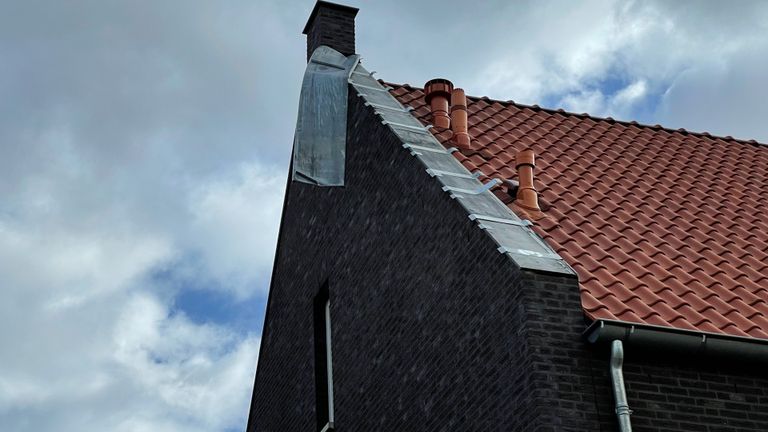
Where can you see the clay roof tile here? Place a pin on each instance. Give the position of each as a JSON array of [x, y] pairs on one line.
[[664, 227]]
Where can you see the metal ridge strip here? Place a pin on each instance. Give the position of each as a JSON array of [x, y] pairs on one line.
[[477, 191], [429, 149], [382, 89], [547, 259], [421, 129], [521, 222], [438, 173], [379, 106], [530, 253]]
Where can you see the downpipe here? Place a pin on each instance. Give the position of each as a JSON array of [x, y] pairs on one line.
[[619, 390]]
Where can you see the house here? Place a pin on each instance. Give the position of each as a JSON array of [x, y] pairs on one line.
[[457, 263]]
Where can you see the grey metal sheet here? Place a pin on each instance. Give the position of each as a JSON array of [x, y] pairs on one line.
[[460, 182], [485, 204], [441, 161], [400, 117], [319, 145], [544, 264], [379, 97], [517, 239], [362, 77], [418, 138]]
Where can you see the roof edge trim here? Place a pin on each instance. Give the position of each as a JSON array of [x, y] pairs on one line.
[[513, 236]]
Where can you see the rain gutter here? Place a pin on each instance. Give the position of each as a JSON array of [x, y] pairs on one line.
[[679, 341], [670, 341]]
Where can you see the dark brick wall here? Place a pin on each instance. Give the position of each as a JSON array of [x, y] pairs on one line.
[[433, 330], [333, 26], [666, 392], [687, 394], [428, 318]]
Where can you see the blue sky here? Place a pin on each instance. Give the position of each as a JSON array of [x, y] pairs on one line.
[[144, 150]]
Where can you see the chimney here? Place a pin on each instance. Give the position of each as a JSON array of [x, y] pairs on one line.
[[527, 197], [436, 94], [459, 118], [332, 25]]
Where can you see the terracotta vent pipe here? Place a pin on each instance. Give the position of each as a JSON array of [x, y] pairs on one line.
[[527, 197], [436, 93], [459, 118]]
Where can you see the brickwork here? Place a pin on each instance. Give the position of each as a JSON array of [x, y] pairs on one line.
[[333, 26], [688, 394], [433, 330], [666, 393], [428, 318]]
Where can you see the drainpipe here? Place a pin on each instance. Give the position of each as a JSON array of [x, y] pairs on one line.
[[619, 391]]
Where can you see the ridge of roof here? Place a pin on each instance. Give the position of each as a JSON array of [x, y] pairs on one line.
[[596, 118]]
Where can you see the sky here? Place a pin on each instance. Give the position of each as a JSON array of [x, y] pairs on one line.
[[144, 151]]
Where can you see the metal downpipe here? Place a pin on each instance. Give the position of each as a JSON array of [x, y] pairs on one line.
[[619, 391]]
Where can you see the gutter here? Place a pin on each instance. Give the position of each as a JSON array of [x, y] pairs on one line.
[[679, 341], [668, 340]]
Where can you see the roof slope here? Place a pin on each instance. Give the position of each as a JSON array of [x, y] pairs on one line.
[[663, 227]]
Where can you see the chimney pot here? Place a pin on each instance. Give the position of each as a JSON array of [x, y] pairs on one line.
[[459, 118], [332, 25], [527, 197], [436, 94]]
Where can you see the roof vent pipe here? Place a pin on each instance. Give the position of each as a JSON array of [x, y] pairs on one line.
[[619, 390], [436, 93], [527, 197], [459, 118]]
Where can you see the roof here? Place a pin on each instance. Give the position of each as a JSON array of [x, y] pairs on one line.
[[664, 227]]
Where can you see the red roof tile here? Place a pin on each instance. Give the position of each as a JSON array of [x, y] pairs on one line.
[[663, 227]]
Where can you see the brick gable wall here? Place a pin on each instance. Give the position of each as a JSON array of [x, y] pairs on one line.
[[433, 330], [424, 338]]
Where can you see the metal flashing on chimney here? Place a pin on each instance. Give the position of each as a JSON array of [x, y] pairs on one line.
[[512, 235], [320, 140]]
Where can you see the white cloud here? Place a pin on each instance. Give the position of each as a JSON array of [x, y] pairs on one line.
[[198, 371], [138, 135], [153, 137], [706, 59], [83, 336], [596, 103], [234, 226]]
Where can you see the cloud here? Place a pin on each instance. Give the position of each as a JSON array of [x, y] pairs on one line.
[[234, 226], [143, 157], [724, 99], [147, 370], [139, 135], [592, 56]]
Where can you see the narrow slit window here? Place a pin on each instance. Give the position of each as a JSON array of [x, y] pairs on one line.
[[323, 361]]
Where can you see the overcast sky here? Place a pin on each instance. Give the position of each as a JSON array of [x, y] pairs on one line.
[[144, 148]]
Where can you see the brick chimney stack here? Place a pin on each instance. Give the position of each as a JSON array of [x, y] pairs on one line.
[[332, 25]]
